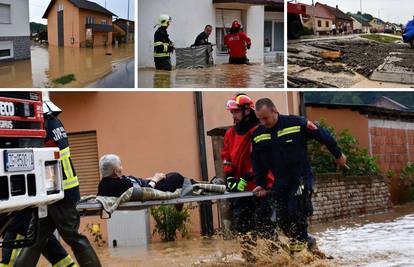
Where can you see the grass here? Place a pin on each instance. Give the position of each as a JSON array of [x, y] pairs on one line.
[[381, 38], [65, 79]]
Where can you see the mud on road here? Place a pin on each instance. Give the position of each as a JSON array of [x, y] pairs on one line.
[[359, 56]]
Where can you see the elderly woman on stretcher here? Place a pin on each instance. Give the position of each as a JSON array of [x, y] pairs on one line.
[[114, 183]]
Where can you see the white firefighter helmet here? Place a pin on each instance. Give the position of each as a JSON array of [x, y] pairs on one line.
[[49, 108], [164, 20]]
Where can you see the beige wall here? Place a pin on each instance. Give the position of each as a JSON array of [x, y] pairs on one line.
[[98, 37], [341, 119], [70, 21]]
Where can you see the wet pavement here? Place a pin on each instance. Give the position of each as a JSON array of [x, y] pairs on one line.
[[122, 76], [51, 62], [385, 239], [360, 59], [269, 75]]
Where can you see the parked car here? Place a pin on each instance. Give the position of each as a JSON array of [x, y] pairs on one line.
[[408, 34]]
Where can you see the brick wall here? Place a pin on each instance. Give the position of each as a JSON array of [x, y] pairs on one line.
[[393, 147], [337, 197]]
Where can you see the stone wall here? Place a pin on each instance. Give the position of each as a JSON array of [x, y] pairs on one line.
[[338, 197], [21, 46]]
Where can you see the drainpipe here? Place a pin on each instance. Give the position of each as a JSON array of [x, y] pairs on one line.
[[206, 212], [302, 108]]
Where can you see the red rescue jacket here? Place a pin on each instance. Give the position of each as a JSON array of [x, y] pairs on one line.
[[236, 43], [236, 156]]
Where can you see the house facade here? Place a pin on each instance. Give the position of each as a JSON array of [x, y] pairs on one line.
[[14, 30], [121, 27], [377, 25], [322, 22], [341, 20], [361, 24], [262, 20], [78, 23]]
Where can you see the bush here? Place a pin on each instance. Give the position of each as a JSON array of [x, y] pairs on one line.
[[407, 178], [168, 220], [306, 31], [359, 161]]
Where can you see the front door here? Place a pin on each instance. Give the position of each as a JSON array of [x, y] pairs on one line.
[[61, 38]]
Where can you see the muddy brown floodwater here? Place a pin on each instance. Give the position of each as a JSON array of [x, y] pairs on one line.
[[269, 75], [385, 239], [50, 62]]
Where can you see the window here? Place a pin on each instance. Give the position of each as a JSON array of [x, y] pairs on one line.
[[220, 33], [5, 53], [274, 36], [224, 19], [5, 16], [319, 23], [90, 20], [60, 7], [327, 24], [104, 22]]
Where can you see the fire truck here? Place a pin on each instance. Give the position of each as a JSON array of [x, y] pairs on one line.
[[295, 22], [30, 174]]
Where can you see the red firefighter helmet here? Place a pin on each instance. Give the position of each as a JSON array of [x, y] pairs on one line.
[[240, 101], [236, 24]]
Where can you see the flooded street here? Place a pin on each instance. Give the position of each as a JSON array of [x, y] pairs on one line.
[[377, 240], [220, 76], [49, 63]]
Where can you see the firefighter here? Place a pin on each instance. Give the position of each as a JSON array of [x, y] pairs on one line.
[[280, 145], [163, 46], [62, 215], [237, 42], [53, 251], [248, 213]]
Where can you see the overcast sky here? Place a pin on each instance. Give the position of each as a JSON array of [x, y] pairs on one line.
[[118, 7], [397, 11]]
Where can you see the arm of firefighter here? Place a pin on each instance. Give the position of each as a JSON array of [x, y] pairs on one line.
[[225, 155], [323, 136], [159, 45], [247, 39], [259, 170]]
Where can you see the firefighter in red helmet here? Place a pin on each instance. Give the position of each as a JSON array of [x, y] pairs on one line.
[[237, 42], [248, 213]]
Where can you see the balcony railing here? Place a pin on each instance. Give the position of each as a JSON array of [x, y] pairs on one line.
[[100, 27]]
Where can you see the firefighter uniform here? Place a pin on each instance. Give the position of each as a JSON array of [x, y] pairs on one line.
[[163, 47], [62, 215], [283, 150], [53, 251]]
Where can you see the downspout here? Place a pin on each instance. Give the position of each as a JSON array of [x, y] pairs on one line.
[[206, 212], [302, 107]]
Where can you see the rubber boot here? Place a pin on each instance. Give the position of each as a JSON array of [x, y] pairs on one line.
[[88, 258]]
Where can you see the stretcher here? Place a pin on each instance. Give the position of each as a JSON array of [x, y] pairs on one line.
[[93, 207]]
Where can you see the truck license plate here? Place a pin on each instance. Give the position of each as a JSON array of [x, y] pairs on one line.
[[18, 160]]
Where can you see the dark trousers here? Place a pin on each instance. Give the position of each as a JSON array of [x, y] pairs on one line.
[[236, 60], [64, 217], [172, 182], [53, 251], [251, 214], [162, 63], [292, 211]]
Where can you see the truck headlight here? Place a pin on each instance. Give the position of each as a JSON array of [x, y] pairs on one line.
[[51, 182]]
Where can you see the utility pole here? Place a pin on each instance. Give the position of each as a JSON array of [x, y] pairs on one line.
[[105, 3], [313, 17], [127, 27], [360, 7]]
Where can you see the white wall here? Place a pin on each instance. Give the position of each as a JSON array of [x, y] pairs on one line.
[[189, 18], [19, 25], [255, 30]]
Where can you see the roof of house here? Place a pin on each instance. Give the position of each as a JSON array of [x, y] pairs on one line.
[[336, 12], [377, 21], [370, 110], [361, 19], [121, 23], [82, 4], [319, 13]]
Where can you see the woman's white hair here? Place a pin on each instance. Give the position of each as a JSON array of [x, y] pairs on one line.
[[108, 164]]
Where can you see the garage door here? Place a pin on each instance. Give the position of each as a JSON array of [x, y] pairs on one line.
[[84, 153], [227, 16]]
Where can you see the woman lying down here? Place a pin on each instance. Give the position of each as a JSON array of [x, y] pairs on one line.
[[114, 183]]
